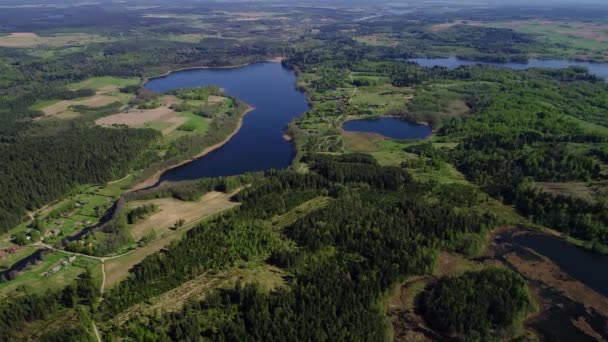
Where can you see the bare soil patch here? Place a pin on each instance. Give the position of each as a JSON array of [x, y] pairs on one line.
[[172, 210], [574, 189], [445, 26], [216, 99], [29, 39], [139, 117], [23, 35], [62, 107]]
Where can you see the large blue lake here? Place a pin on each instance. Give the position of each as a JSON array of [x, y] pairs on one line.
[[259, 144], [270, 89]]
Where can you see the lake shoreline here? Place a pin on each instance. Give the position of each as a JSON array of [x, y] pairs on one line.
[[154, 179], [353, 118], [277, 59]]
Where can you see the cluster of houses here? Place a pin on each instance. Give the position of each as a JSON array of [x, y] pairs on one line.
[[8, 250], [65, 262]]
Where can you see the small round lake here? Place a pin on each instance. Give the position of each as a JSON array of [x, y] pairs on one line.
[[259, 145], [393, 128], [597, 69]]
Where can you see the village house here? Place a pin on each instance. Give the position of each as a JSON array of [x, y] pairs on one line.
[[53, 232]]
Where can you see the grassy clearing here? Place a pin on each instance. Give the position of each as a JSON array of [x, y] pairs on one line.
[[171, 210], [33, 279], [43, 104], [362, 142], [574, 189], [450, 264], [380, 99], [391, 153], [268, 277], [377, 39], [29, 39], [300, 211], [577, 39], [97, 83]]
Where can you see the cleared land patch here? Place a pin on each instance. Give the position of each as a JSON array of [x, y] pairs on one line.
[[62, 108], [105, 83], [170, 211], [140, 117], [106, 93], [445, 26], [34, 280], [574, 189], [30, 39], [269, 277]]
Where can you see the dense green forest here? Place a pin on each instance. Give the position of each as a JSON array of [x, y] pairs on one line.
[[477, 304], [321, 250], [37, 170], [340, 267]]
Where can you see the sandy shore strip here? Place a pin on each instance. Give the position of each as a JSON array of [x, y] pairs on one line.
[[156, 177]]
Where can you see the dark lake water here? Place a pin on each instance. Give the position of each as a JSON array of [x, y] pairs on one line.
[[389, 127], [259, 144], [598, 69], [585, 266]]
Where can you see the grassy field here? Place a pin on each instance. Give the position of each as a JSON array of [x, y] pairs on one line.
[[9, 259], [300, 211], [97, 83], [160, 223], [268, 277], [171, 210], [30, 39], [43, 104], [380, 99], [34, 281], [577, 39]]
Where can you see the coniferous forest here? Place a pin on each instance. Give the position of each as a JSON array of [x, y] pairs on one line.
[[490, 226]]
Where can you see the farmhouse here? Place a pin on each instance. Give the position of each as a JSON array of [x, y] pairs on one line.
[[53, 232]]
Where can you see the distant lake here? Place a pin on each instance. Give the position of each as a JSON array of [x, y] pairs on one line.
[[259, 144], [393, 128], [597, 69]]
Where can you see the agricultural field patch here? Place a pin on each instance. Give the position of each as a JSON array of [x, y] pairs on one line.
[[378, 40], [162, 225], [586, 40], [30, 39], [102, 83], [575, 189], [62, 109], [141, 117], [171, 210]]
